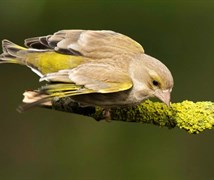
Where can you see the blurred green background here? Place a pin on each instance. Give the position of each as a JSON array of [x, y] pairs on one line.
[[45, 144]]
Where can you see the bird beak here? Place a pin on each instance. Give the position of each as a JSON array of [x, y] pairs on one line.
[[163, 95]]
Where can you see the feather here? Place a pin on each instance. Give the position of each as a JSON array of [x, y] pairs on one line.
[[88, 43], [96, 77]]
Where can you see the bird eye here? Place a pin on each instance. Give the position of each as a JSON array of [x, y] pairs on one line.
[[155, 83]]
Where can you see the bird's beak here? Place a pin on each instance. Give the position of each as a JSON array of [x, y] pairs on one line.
[[163, 95]]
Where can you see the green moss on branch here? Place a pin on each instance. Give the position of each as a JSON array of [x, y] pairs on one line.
[[187, 115]]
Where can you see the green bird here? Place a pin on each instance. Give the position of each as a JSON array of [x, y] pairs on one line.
[[94, 68]]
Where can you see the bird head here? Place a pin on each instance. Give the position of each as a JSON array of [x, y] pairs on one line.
[[156, 77], [160, 84]]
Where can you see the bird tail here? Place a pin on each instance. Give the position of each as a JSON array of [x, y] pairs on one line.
[[45, 95], [11, 53]]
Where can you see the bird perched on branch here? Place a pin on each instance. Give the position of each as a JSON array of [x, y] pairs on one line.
[[94, 68]]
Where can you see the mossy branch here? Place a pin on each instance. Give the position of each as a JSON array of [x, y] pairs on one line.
[[187, 115]]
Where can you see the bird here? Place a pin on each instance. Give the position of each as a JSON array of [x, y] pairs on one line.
[[92, 67]]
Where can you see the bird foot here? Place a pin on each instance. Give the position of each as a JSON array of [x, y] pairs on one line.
[[107, 114]]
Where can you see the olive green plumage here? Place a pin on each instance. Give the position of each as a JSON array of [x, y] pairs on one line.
[[101, 68]]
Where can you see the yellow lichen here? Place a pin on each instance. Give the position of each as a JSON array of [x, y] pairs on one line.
[[193, 117]]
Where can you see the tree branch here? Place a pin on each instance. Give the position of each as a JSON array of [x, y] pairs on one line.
[[187, 115]]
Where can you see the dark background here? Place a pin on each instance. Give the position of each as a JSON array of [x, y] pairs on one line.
[[45, 144]]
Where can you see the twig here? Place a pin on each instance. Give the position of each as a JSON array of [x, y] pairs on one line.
[[187, 115]]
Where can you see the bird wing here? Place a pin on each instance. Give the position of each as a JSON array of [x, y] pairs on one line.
[[104, 71], [78, 81], [93, 78], [104, 68], [88, 43]]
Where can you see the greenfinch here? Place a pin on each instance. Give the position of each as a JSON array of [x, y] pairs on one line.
[[94, 68]]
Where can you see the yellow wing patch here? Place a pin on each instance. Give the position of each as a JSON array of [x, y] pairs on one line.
[[49, 62]]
